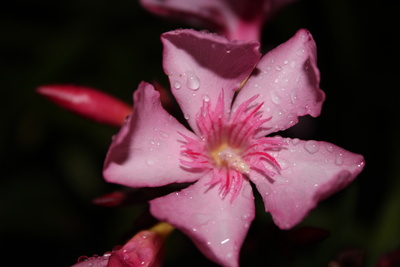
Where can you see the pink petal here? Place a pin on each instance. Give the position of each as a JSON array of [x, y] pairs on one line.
[[237, 20], [87, 102], [147, 149], [217, 226], [287, 81], [199, 65], [310, 171]]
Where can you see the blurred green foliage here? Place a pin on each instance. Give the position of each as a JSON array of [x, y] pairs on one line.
[[51, 160]]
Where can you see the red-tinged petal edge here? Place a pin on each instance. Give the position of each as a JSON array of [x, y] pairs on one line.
[[87, 102]]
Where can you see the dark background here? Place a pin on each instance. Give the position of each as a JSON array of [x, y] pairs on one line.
[[51, 160]]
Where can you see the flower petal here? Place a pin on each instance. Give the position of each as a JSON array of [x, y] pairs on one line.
[[217, 226], [287, 81], [199, 65], [146, 151], [310, 171]]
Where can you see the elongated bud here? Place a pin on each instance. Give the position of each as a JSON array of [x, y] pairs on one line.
[[87, 102]]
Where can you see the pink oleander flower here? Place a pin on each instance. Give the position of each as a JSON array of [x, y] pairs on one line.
[[145, 249], [228, 146], [236, 19]]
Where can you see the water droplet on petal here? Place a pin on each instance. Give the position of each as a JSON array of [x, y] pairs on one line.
[[311, 146], [164, 134], [193, 81], [278, 68], [292, 64], [200, 218], [295, 141], [177, 85], [329, 148], [206, 98], [293, 96], [285, 62], [275, 98], [246, 216], [339, 159], [224, 241], [150, 162], [186, 116]]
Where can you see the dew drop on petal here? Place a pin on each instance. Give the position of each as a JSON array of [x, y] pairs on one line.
[[206, 98], [293, 96], [329, 148], [275, 98], [164, 134], [150, 162], [246, 216], [186, 116], [339, 159], [224, 241], [278, 68], [193, 81], [200, 218], [295, 141], [177, 85], [292, 64], [311, 146]]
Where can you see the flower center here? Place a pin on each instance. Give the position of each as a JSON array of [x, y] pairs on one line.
[[228, 147], [226, 156]]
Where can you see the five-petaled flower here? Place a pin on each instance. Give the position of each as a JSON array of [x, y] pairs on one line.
[[227, 149]]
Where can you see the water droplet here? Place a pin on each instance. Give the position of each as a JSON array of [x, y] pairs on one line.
[[276, 80], [300, 51], [177, 85], [284, 164], [329, 148], [292, 64], [278, 68], [150, 162], [295, 141], [256, 85], [164, 134], [200, 218], [339, 159], [224, 241], [186, 116], [206, 98], [285, 62], [193, 81], [293, 96], [311, 146], [246, 216], [275, 98]]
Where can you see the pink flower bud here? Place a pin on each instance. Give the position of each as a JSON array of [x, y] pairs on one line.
[[87, 102], [145, 249]]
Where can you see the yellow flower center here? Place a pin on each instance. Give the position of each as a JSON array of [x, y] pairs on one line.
[[229, 157]]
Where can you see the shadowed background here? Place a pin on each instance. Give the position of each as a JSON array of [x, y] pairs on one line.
[[51, 160]]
